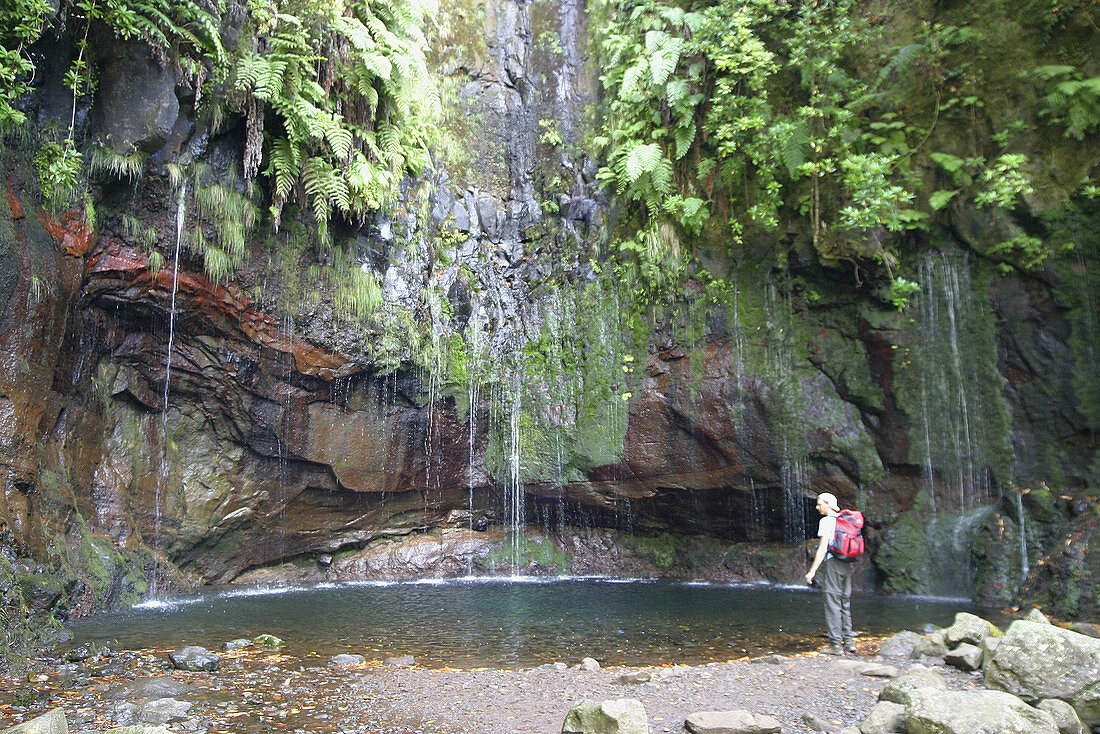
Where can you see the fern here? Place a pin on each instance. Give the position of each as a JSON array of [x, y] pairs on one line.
[[354, 100], [103, 160]]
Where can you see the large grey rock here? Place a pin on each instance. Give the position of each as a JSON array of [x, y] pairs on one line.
[[635, 678], [617, 716], [137, 107], [872, 670], [817, 723], [731, 722], [933, 644], [147, 688], [973, 712], [1038, 617], [902, 644], [52, 722], [969, 628], [1065, 718], [965, 657], [900, 690], [1038, 661], [884, 718], [346, 659], [163, 711], [194, 658], [989, 646]]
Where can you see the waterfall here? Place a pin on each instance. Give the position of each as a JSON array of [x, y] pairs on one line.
[[1025, 567], [960, 422], [516, 503], [181, 211], [162, 475], [788, 399], [473, 397], [947, 566]]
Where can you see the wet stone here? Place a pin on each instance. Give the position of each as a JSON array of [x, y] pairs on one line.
[[194, 658]]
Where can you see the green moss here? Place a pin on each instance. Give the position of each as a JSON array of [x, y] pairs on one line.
[[902, 557], [519, 552], [949, 384]]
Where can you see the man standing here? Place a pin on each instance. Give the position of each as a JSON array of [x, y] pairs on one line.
[[838, 579]]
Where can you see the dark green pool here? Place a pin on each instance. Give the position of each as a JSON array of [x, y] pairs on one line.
[[507, 623]]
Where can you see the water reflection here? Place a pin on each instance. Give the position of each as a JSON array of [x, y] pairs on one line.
[[508, 623]]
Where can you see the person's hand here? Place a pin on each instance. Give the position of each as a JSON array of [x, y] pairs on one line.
[[810, 578]]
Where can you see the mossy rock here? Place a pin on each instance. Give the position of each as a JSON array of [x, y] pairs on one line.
[[268, 641], [902, 557]]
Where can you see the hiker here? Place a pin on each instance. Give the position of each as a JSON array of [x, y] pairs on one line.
[[838, 574]]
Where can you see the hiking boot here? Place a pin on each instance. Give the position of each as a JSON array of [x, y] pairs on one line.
[[850, 646], [833, 649]]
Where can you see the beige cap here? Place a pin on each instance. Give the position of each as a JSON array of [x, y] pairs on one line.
[[829, 500]]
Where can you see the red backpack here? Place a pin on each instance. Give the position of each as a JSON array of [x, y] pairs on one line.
[[847, 543]]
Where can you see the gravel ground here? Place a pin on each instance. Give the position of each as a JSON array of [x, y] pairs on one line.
[[257, 691]]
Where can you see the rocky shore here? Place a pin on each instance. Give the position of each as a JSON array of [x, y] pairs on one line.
[[1035, 677]]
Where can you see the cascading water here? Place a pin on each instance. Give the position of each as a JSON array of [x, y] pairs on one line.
[[959, 432], [162, 475], [961, 436], [788, 398], [1025, 566], [516, 499]]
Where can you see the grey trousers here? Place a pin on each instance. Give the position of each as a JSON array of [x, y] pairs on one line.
[[838, 600]]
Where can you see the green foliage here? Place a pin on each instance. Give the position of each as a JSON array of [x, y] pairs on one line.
[[340, 105], [59, 167], [358, 295], [521, 552], [225, 215], [21, 23], [104, 161], [1071, 100]]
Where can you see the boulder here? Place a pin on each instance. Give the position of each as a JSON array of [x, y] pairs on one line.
[[884, 718], [973, 712], [347, 660], [816, 723], [147, 688], [194, 658], [872, 670], [51, 722], [617, 716], [1065, 718], [266, 640], [163, 711], [989, 646], [589, 664], [965, 657], [137, 106], [731, 722], [1038, 661], [919, 677], [901, 645], [402, 661], [238, 644], [932, 645], [969, 628], [1036, 616], [639, 676]]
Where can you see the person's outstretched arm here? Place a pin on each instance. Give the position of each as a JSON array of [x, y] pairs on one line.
[[819, 558]]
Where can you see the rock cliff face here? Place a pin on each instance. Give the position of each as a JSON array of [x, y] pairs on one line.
[[162, 429]]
